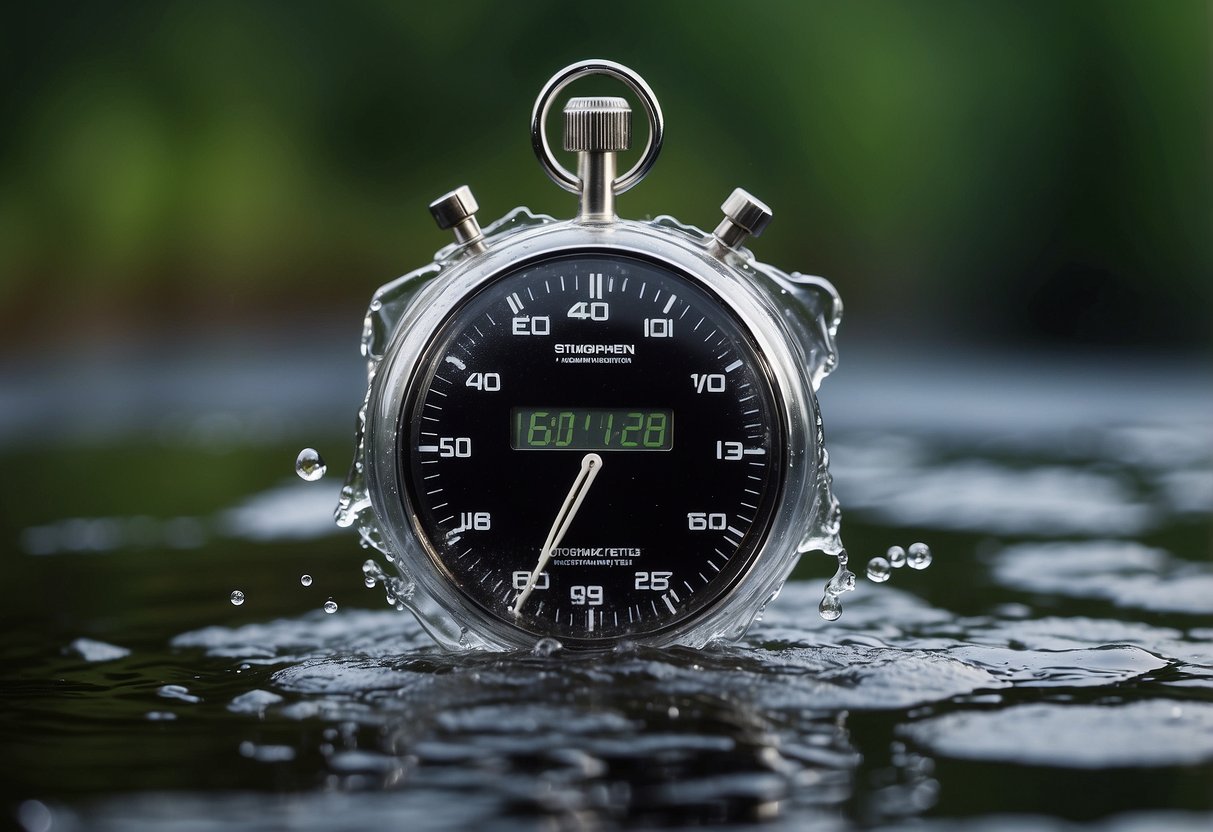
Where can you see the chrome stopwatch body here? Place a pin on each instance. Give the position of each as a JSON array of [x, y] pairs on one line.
[[593, 429]]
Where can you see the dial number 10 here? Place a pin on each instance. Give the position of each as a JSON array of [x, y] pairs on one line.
[[708, 382]]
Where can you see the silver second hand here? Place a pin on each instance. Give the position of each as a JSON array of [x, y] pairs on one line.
[[591, 464]]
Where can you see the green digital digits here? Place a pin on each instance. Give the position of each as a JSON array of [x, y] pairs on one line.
[[591, 429]]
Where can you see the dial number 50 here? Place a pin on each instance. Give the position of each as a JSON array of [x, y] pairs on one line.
[[457, 446]]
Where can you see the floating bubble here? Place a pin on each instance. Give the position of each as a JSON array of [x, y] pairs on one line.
[[830, 607], [237, 597], [306, 580], [330, 606], [919, 556], [878, 570], [309, 465], [896, 556]]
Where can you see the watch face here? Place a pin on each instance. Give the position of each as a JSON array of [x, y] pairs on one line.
[[591, 448]]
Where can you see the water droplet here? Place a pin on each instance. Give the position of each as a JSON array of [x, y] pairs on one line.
[[919, 556], [878, 570], [330, 606], [896, 556], [237, 597], [309, 465], [546, 647], [843, 581], [369, 581], [830, 607], [306, 580]]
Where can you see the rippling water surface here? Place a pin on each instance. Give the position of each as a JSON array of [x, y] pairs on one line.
[[1053, 670]]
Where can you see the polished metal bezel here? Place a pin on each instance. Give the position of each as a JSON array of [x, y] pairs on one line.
[[435, 600]]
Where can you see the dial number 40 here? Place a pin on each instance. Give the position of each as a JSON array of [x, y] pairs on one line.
[[488, 382], [596, 311]]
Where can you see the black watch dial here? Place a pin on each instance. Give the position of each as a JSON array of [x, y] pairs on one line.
[[592, 448]]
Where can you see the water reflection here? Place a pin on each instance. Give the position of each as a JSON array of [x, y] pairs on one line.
[[1052, 670]]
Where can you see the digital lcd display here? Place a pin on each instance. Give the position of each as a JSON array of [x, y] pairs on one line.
[[591, 429]]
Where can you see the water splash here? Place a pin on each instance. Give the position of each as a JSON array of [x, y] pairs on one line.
[[826, 534], [547, 647], [814, 320], [309, 465]]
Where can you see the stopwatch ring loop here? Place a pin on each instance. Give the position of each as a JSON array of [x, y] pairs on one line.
[[539, 116]]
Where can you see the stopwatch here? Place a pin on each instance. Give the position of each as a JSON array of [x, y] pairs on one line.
[[593, 429]]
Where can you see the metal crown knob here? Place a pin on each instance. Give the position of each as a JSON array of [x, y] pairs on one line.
[[457, 211], [597, 125], [744, 215]]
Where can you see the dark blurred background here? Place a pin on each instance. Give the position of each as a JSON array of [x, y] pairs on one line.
[[998, 173]]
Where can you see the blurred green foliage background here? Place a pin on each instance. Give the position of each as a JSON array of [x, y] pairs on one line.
[[997, 172]]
